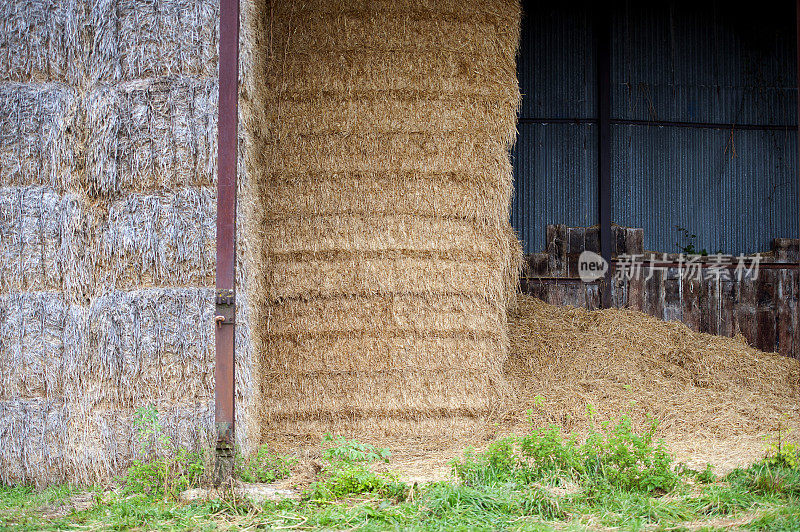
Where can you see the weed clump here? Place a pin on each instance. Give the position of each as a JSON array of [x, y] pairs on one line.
[[161, 469], [264, 466], [346, 472], [614, 457]]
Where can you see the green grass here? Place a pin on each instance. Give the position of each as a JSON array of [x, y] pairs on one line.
[[615, 478]]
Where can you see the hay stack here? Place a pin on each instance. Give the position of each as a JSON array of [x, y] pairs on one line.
[[107, 210], [379, 184], [695, 384]]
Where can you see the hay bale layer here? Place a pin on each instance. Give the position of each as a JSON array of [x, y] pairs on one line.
[[377, 153]]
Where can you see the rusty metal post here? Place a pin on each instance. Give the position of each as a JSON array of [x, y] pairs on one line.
[[225, 300]]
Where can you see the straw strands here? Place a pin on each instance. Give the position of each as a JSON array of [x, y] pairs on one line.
[[39, 128], [696, 384], [43, 40], [148, 135], [163, 240], [138, 40], [377, 139], [44, 238], [149, 346], [107, 211]]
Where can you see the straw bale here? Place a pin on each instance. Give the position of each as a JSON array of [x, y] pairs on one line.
[[38, 346], [39, 135], [421, 432], [151, 135], [375, 30], [43, 40], [343, 273], [506, 14], [153, 345], [376, 112], [103, 441], [390, 313], [317, 73], [398, 393], [32, 441], [330, 233], [376, 137], [161, 240], [624, 361], [44, 241], [381, 352], [134, 39], [453, 154], [375, 193]]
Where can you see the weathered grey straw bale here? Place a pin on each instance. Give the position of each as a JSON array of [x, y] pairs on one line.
[[38, 348], [152, 345], [163, 240], [43, 40], [33, 441], [136, 40], [39, 135], [150, 135], [45, 242], [102, 441]]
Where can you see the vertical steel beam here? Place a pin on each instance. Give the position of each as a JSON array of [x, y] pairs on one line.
[[225, 301], [602, 27], [797, 39]]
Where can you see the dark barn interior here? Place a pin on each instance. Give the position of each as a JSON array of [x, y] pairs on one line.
[[662, 130]]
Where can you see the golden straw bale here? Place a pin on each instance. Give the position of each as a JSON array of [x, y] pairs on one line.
[[379, 182], [390, 313], [443, 195]]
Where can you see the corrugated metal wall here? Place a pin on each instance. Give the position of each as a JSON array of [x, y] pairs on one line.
[[692, 63]]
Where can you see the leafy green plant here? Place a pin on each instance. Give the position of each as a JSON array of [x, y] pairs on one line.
[[707, 476], [339, 449], [780, 451], [614, 457], [346, 471], [264, 466], [161, 470]]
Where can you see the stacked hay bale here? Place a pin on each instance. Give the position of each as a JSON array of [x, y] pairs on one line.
[[107, 211], [377, 149]]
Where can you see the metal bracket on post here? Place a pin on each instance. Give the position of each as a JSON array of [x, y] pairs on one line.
[[225, 302]]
